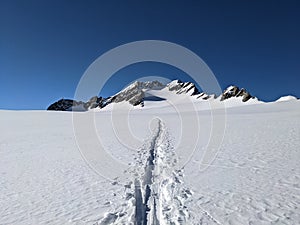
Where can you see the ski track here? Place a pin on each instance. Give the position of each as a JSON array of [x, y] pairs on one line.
[[157, 194]]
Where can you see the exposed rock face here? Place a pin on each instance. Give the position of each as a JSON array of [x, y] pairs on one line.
[[72, 105], [183, 87], [205, 96], [135, 92], [95, 102], [234, 91], [64, 105], [245, 94]]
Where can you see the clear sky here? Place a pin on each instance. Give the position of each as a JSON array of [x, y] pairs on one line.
[[45, 46]]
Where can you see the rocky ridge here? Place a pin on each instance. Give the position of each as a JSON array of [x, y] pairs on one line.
[[135, 94]]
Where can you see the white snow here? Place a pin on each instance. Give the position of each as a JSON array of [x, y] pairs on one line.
[[238, 101], [286, 98], [173, 83], [77, 108], [254, 178]]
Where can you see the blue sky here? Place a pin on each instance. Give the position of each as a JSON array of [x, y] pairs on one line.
[[45, 46]]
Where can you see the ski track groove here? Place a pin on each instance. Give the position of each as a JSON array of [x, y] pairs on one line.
[[141, 207], [158, 194]]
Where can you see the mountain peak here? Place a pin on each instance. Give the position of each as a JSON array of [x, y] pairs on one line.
[[183, 87], [135, 92], [234, 91], [140, 85]]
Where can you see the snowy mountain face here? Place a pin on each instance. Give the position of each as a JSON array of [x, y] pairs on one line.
[[183, 88], [138, 92], [135, 93], [234, 91]]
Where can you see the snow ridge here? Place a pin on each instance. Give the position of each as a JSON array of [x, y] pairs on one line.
[[286, 98]]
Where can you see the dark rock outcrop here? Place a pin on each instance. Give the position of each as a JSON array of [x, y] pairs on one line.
[[234, 91], [135, 92], [65, 105], [183, 87], [96, 102]]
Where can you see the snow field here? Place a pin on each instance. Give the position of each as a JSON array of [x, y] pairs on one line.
[[254, 178]]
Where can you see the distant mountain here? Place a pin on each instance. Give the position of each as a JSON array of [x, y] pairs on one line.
[[65, 105], [139, 92]]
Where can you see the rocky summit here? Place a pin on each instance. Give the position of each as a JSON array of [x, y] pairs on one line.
[[234, 91]]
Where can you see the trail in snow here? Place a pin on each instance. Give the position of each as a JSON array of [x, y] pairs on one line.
[[140, 210], [158, 193], [253, 180], [143, 208]]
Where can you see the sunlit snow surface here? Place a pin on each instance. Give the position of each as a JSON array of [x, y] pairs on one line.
[[255, 178]]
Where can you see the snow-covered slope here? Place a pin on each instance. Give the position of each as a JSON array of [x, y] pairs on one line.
[[286, 98], [254, 178]]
